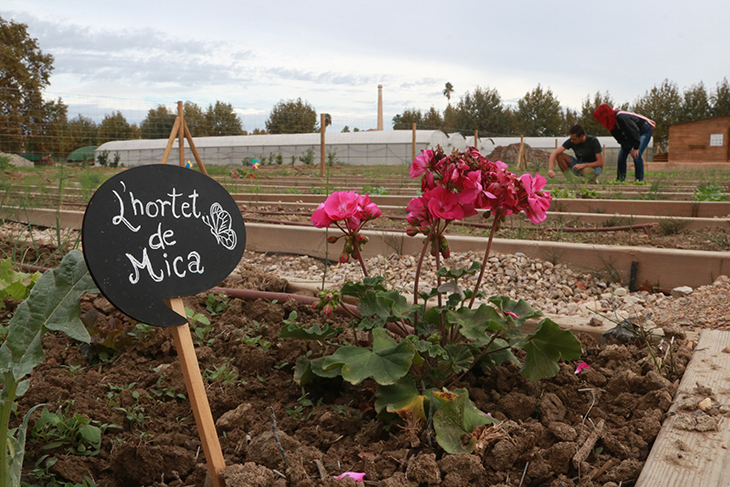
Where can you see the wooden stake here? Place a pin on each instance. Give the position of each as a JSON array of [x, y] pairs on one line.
[[413, 128], [476, 139], [321, 144], [184, 342], [198, 397], [181, 133], [194, 149], [173, 134]]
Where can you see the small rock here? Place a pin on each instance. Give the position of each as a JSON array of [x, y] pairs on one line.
[[681, 291], [595, 321], [721, 280], [705, 404], [621, 291], [234, 418]]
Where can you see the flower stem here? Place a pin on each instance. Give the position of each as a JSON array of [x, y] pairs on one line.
[[358, 254], [497, 216], [418, 267]]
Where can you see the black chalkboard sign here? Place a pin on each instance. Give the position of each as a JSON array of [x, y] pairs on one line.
[[159, 232]]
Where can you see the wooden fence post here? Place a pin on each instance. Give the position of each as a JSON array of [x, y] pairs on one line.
[[414, 140], [322, 128]]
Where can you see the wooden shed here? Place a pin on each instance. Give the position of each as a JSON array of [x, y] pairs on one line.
[[705, 140]]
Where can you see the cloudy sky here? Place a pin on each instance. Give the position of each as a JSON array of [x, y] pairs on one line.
[[133, 55]]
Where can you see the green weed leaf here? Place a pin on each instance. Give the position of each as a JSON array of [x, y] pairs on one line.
[[53, 304]]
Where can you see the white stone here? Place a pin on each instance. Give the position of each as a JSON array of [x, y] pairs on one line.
[[621, 292], [681, 291]]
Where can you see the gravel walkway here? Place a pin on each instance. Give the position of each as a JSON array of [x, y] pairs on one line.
[[552, 289]]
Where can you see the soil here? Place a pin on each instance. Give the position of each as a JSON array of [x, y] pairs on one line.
[[330, 427]]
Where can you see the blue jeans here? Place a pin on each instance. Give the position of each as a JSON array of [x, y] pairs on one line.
[[573, 161], [646, 134]]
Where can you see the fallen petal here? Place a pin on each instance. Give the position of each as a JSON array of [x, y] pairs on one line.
[[581, 367], [353, 475]]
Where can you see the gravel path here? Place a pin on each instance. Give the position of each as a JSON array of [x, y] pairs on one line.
[[552, 289]]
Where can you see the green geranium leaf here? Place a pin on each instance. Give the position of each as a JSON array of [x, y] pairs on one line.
[[475, 323], [523, 310], [437, 351], [545, 347], [456, 418], [385, 363], [375, 304], [305, 370], [459, 272], [460, 357], [315, 332], [395, 396], [385, 306], [358, 289], [499, 352]]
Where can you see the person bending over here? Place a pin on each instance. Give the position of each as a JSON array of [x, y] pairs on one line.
[[632, 131], [588, 160]]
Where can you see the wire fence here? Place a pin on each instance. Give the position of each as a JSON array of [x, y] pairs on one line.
[[72, 128]]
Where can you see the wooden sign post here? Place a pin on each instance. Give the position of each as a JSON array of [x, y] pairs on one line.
[[152, 234]]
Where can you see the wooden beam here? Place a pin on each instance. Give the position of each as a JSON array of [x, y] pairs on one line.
[[689, 451]]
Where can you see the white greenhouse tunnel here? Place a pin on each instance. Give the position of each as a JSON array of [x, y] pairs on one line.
[[373, 148]]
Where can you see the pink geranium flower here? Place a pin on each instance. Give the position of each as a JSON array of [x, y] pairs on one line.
[[320, 219], [421, 163], [444, 204], [370, 210], [538, 201], [342, 205]]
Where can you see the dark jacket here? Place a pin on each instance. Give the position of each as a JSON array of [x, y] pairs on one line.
[[627, 131]]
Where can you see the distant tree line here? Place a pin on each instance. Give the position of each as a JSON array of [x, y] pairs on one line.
[[28, 123], [539, 113]]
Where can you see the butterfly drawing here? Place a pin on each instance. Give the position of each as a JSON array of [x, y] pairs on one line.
[[220, 226]]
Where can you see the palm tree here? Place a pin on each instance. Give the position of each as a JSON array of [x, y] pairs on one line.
[[448, 90]]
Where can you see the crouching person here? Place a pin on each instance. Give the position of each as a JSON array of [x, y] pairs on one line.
[[588, 160]]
